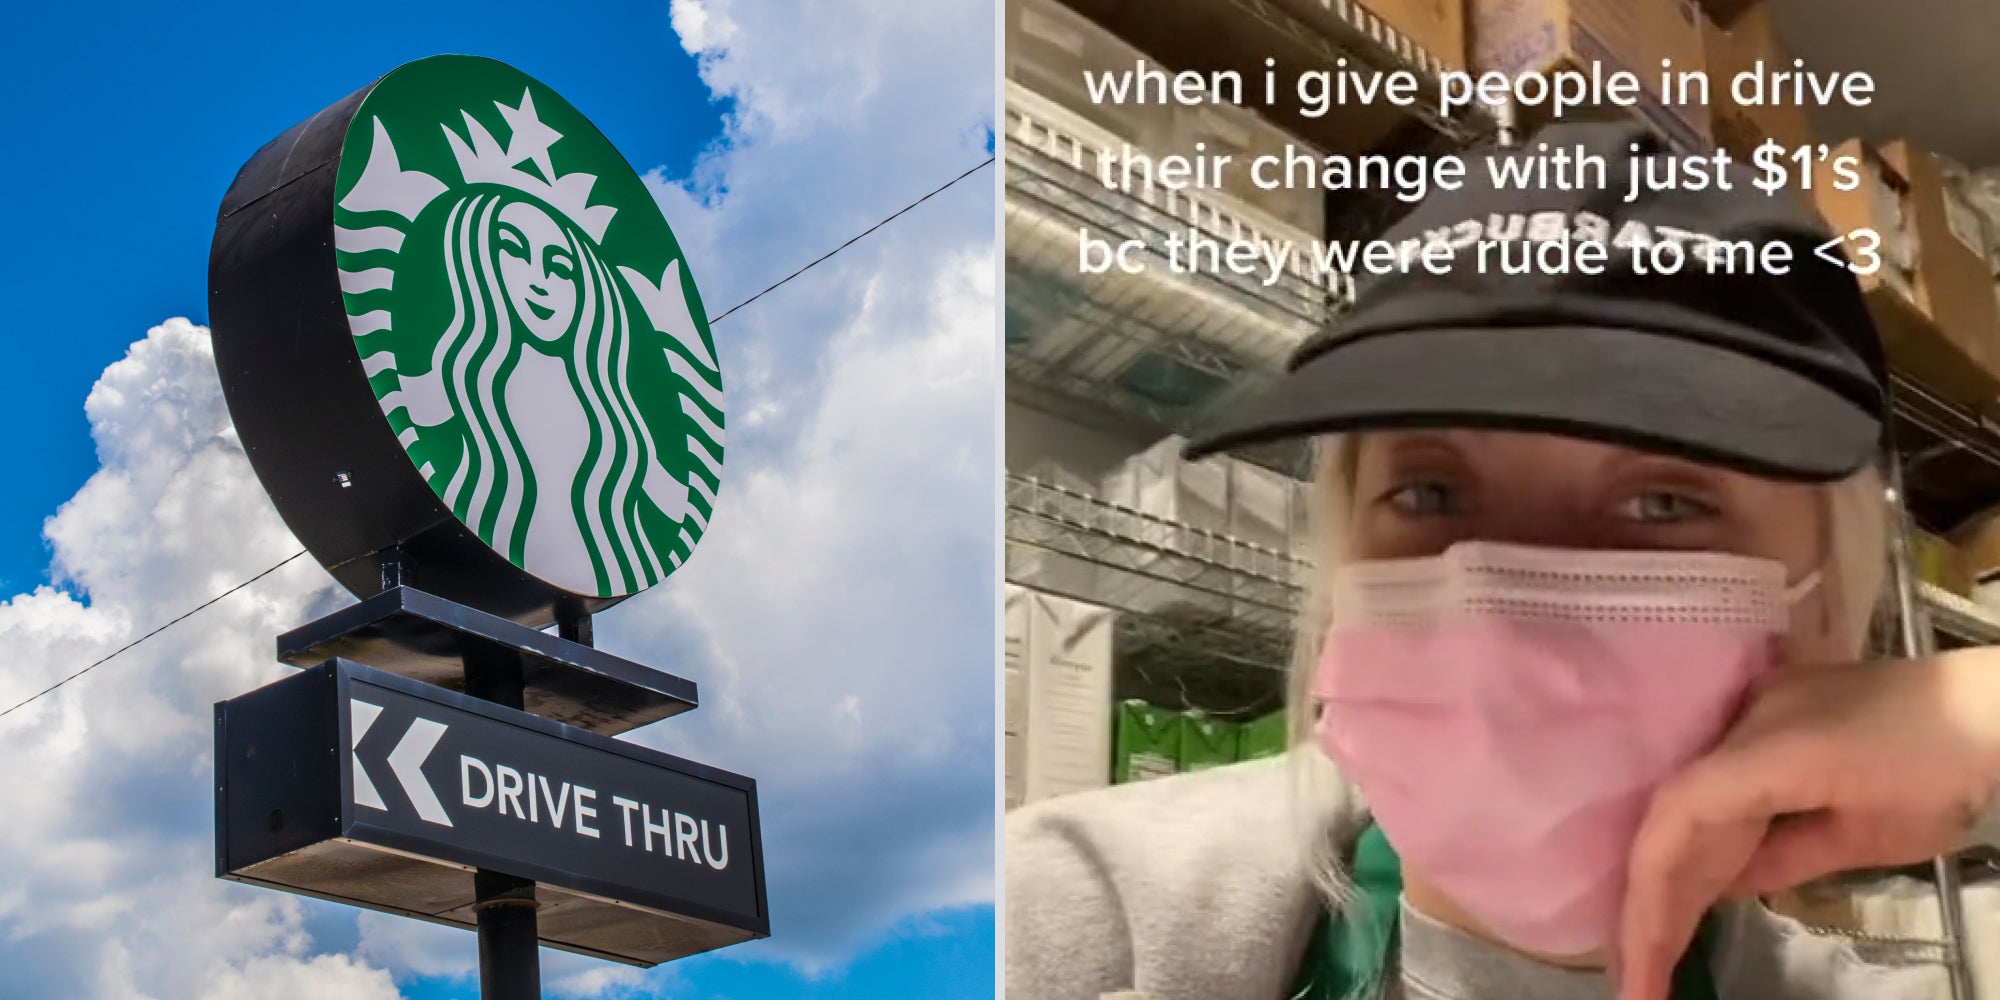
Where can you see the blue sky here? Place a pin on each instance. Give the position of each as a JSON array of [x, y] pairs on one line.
[[862, 436]]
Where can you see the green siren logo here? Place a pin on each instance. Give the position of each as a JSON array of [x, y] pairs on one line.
[[528, 323]]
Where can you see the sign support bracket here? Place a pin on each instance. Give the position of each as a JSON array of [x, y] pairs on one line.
[[510, 960]]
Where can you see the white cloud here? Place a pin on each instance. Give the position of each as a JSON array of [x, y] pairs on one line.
[[845, 597], [592, 982], [845, 587], [431, 951], [109, 890], [697, 30], [838, 615], [325, 977]]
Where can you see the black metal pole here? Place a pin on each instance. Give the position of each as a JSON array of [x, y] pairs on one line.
[[510, 960]]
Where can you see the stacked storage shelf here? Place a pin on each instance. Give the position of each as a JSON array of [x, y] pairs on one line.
[[1194, 568], [1165, 346]]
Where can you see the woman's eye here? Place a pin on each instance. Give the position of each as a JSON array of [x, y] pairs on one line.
[[1424, 498], [1661, 507], [560, 267], [513, 247]]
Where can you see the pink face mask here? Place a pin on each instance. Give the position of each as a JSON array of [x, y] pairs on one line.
[[1508, 711]]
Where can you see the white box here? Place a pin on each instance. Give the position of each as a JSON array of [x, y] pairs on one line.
[[1195, 494], [1260, 506], [1051, 472], [1014, 666], [1159, 483], [1068, 738], [1014, 659], [1056, 572]]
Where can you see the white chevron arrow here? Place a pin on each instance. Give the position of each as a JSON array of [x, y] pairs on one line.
[[362, 717], [407, 760]]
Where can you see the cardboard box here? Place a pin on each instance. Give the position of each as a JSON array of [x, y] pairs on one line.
[[1068, 735], [1881, 203], [1260, 506], [1933, 300], [1148, 743], [1548, 36], [1049, 49], [1954, 282], [1941, 564], [1728, 12], [1730, 52], [1262, 737], [1207, 742], [1979, 545], [1437, 27]]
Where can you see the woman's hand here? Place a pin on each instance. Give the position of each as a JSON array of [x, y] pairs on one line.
[[1829, 769]]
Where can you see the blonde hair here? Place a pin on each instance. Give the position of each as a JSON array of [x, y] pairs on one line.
[[1853, 575]]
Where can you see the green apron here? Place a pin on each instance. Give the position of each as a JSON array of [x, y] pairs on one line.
[[1348, 956]]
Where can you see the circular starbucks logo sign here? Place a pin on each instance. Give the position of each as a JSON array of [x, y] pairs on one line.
[[528, 325]]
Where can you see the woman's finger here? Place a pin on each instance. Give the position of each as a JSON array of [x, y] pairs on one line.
[[1701, 830], [1664, 905], [1801, 848], [1796, 850]]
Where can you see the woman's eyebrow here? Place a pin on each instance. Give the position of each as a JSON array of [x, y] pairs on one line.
[[1666, 468], [1417, 444]]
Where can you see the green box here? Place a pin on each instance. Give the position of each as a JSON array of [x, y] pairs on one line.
[[1147, 743], [1207, 742], [1263, 737]]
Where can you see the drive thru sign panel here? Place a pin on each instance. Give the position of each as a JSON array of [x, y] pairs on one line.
[[642, 857]]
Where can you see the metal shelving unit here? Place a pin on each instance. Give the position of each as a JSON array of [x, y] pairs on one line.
[[1959, 618], [1204, 619], [1209, 584], [1162, 346], [1142, 564]]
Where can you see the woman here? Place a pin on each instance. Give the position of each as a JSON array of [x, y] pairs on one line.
[[556, 465], [1577, 685], [565, 409]]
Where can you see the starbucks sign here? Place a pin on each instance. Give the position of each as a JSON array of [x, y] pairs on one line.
[[457, 335]]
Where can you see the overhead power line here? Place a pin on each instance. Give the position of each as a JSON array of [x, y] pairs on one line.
[[857, 238], [191, 612]]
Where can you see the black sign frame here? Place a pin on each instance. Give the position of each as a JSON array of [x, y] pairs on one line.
[[299, 397], [284, 819]]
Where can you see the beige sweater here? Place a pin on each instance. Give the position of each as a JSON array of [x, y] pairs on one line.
[[1194, 888]]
